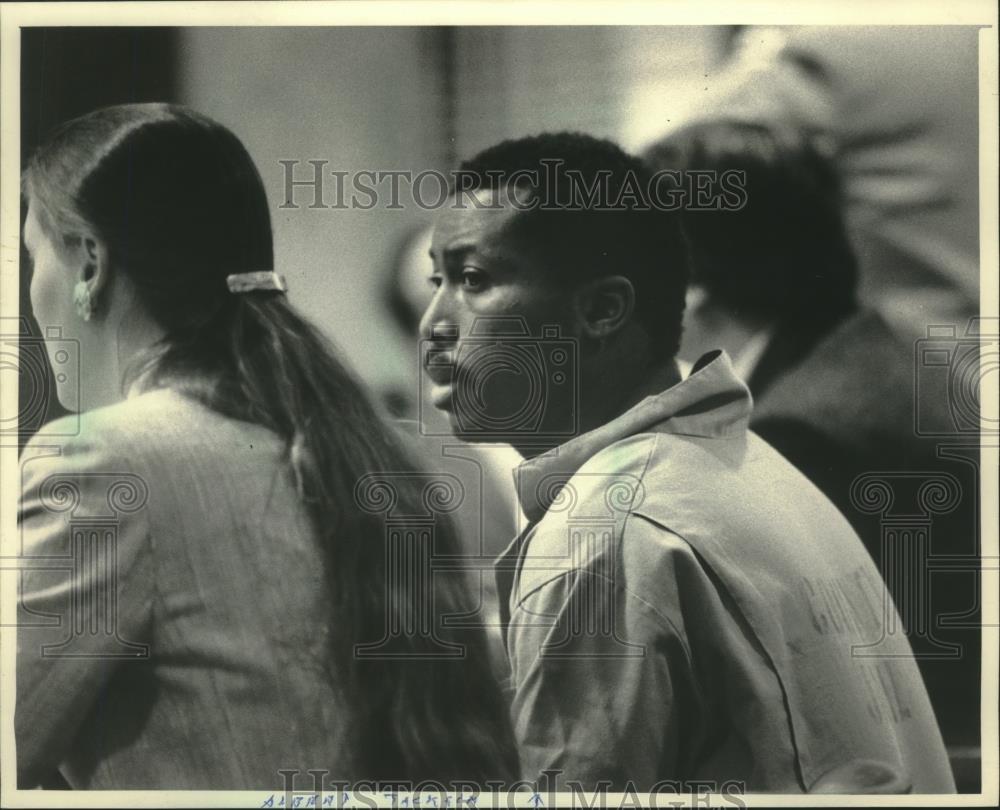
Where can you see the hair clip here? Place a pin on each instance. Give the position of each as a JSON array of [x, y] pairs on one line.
[[251, 282]]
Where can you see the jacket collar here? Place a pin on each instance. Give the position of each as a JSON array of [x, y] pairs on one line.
[[711, 402]]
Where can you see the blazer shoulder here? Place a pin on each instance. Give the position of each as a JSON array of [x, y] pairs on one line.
[[159, 424]]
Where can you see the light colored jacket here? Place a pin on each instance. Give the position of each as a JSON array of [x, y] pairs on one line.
[[685, 605], [173, 621]]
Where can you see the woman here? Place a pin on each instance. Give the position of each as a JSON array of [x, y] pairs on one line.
[[210, 596]]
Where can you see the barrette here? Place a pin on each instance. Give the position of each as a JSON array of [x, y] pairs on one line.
[[251, 282]]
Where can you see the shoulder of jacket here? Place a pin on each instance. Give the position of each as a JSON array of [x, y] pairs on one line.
[[585, 522], [159, 422]]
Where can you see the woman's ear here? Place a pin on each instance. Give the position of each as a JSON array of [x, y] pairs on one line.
[[603, 306], [93, 273], [94, 263]]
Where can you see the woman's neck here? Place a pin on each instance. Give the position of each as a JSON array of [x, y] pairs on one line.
[[109, 365]]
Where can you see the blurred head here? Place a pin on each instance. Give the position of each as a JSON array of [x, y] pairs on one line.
[[407, 292], [523, 245], [150, 207], [785, 255]]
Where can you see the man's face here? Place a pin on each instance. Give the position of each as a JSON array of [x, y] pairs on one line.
[[488, 284]]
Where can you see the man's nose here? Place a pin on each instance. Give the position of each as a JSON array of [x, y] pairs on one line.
[[438, 323]]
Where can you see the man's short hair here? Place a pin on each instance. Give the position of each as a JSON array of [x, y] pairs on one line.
[[786, 253], [592, 215]]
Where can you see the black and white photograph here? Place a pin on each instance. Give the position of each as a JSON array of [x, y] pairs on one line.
[[480, 405]]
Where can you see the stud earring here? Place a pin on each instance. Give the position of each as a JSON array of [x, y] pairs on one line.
[[83, 300]]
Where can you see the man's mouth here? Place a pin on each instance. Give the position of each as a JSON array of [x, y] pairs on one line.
[[439, 366]]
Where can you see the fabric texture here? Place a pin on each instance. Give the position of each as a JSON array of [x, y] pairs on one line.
[[685, 605], [173, 621]]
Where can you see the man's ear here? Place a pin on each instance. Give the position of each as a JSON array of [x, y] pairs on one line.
[[603, 306]]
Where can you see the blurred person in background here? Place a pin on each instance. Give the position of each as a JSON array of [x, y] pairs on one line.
[[775, 284], [229, 439], [406, 293], [899, 106]]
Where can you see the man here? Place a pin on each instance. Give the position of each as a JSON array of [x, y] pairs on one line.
[[775, 286], [832, 380], [906, 146], [683, 604]]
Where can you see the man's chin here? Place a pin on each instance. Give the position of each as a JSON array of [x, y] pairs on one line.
[[470, 426], [467, 430], [463, 432]]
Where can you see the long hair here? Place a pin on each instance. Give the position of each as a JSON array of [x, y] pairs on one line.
[[180, 205]]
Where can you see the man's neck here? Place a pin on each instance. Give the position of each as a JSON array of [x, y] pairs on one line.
[[603, 406]]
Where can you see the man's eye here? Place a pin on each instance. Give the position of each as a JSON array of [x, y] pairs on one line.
[[434, 281], [473, 279]]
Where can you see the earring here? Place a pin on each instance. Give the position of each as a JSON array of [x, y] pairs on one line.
[[83, 300]]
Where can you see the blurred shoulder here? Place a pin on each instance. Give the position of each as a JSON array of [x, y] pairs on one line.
[[856, 384]]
